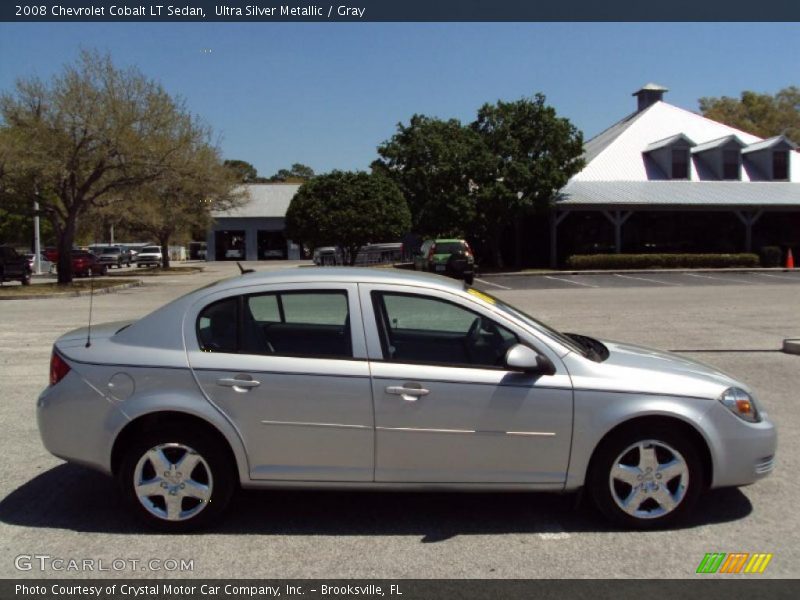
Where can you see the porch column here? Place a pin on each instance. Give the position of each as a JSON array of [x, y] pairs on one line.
[[556, 217], [617, 218], [748, 219]]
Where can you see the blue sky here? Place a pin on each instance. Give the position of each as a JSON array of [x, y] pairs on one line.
[[327, 94]]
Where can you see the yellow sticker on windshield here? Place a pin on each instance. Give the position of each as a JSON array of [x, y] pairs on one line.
[[478, 294]]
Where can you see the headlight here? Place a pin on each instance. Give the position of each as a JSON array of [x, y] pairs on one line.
[[741, 404]]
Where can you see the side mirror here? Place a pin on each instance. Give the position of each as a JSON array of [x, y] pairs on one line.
[[527, 360]]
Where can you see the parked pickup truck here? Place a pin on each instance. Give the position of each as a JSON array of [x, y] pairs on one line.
[[13, 266]]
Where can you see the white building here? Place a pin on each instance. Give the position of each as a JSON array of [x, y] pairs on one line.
[[256, 229], [660, 171]]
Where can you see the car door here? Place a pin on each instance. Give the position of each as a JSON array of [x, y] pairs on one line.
[[287, 366], [446, 408]]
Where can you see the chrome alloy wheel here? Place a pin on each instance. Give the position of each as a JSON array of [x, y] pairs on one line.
[[648, 479], [173, 482]]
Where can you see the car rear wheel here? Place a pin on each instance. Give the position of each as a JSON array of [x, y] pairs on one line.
[[26, 279], [176, 479], [646, 479]]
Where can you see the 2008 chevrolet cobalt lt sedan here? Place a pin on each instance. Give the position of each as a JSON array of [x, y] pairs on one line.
[[363, 378]]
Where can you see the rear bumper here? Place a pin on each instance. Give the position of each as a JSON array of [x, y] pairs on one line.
[[76, 423]]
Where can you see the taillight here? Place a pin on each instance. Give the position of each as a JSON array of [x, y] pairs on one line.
[[468, 250], [58, 368]]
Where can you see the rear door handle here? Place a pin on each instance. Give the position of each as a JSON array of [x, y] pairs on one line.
[[409, 394], [240, 385]]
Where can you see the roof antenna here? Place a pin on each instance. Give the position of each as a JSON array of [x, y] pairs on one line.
[[243, 270]]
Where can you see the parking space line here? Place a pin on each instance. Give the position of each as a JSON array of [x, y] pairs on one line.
[[721, 278], [502, 287], [795, 279], [570, 281], [646, 279]]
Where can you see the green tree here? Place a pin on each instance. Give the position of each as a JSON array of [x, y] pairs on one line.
[[243, 171], [183, 198], [435, 164], [534, 152], [298, 173], [764, 115], [84, 139], [348, 210]]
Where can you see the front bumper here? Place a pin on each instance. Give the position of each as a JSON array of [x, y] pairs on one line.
[[742, 452]]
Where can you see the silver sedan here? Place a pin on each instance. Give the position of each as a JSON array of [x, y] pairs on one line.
[[373, 379]]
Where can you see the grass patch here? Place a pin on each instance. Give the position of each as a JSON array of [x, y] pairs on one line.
[[153, 271], [9, 292]]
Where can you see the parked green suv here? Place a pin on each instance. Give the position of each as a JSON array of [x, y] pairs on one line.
[[449, 257]]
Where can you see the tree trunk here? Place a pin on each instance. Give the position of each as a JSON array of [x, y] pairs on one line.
[[164, 242], [66, 238], [494, 244]]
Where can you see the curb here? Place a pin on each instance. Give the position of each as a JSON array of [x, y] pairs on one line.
[[791, 346], [78, 293], [640, 271]]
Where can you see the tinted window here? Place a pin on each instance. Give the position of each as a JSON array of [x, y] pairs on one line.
[[448, 247], [297, 324], [280, 324], [680, 163], [217, 326], [422, 329], [780, 165], [730, 164]]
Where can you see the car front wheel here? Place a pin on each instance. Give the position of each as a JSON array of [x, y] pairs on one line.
[[176, 479], [646, 479]]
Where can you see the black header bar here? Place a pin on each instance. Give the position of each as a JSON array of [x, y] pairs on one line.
[[398, 10]]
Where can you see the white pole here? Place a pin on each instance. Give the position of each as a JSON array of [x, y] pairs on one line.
[[37, 246], [112, 234]]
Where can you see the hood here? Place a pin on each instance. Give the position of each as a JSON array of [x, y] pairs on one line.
[[633, 368]]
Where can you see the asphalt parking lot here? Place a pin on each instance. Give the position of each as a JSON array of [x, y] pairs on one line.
[[637, 279], [63, 511]]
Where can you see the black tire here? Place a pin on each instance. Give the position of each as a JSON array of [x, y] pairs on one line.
[[469, 279], [104, 271], [665, 439], [217, 460], [26, 279]]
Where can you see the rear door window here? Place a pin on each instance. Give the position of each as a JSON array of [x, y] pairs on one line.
[[313, 324]]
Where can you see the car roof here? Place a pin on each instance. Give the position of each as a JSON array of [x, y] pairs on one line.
[[340, 275]]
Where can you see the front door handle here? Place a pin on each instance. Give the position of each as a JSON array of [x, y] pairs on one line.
[[240, 385], [409, 392]]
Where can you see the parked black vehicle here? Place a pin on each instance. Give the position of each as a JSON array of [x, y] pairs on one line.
[[13, 266]]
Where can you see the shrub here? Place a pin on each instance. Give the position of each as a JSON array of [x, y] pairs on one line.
[[771, 256], [660, 261]]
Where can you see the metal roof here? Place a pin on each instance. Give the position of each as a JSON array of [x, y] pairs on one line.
[[718, 143], [770, 143], [605, 138], [680, 193], [617, 153], [668, 141], [263, 200]]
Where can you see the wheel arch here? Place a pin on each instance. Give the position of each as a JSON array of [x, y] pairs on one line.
[[153, 420], [644, 421]]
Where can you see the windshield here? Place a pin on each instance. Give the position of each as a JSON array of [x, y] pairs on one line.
[[448, 247], [529, 320], [150, 250], [109, 250]]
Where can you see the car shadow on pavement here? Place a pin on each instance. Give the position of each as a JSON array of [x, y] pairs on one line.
[[78, 499]]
